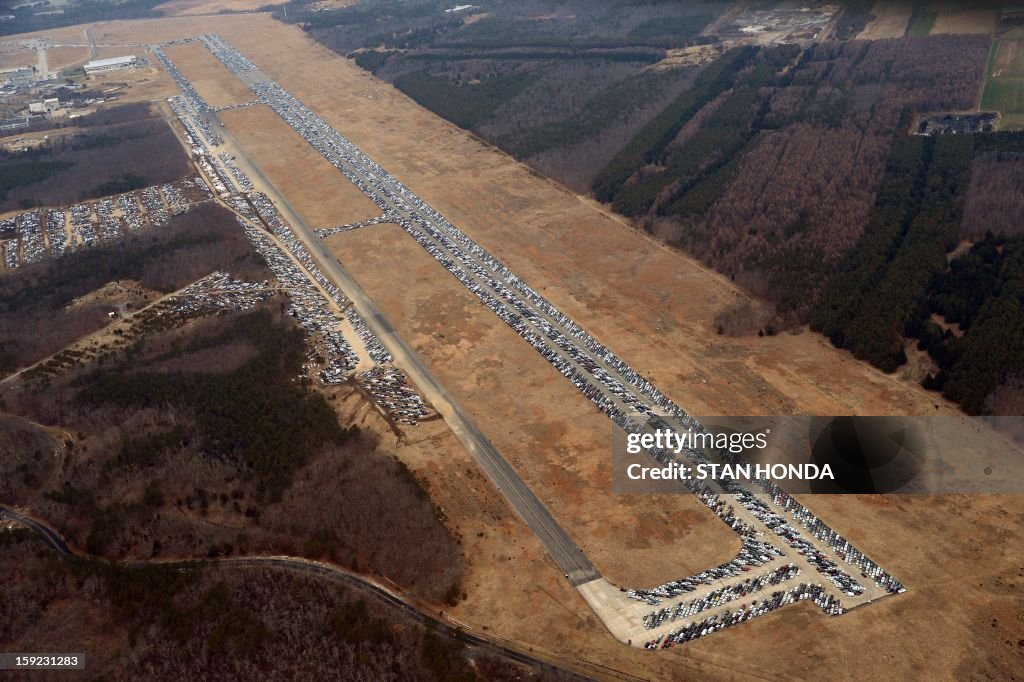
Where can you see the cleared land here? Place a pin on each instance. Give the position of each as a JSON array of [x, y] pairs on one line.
[[890, 21], [208, 76], [956, 18], [322, 195], [176, 8], [62, 57], [656, 308], [1004, 89], [12, 57]]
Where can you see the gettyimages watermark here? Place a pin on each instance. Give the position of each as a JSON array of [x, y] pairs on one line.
[[824, 455]]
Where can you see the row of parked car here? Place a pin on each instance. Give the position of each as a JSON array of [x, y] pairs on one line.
[[42, 233], [218, 291], [391, 390], [720, 596], [752, 553], [757, 607], [190, 99], [613, 386]]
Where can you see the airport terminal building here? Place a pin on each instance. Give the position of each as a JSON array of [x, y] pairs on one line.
[[112, 64]]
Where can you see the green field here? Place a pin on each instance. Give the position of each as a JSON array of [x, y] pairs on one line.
[[1004, 86], [922, 23]]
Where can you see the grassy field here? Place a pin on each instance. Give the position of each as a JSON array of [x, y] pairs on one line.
[[922, 23], [1004, 87]]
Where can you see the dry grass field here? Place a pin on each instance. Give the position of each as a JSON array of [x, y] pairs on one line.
[[177, 8], [955, 18], [655, 308], [66, 56], [890, 21], [13, 56], [558, 442], [211, 79], [322, 195]]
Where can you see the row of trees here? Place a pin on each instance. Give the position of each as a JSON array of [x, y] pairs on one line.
[[649, 143], [884, 280]]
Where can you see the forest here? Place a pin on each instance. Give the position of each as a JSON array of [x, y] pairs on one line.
[[916, 220], [27, 18], [225, 622], [202, 440], [128, 146], [36, 318], [964, 309], [982, 296], [561, 86]]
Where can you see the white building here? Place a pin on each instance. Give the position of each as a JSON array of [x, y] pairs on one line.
[[46, 106], [112, 64]]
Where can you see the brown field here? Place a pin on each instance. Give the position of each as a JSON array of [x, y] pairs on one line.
[[144, 85], [558, 441], [64, 57], [890, 21], [321, 194], [655, 307], [954, 18], [176, 8], [12, 57], [211, 79]]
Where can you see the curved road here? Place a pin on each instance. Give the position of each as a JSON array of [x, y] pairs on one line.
[[508, 649]]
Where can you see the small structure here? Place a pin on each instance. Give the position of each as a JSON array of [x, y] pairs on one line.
[[46, 106], [112, 64], [957, 124]]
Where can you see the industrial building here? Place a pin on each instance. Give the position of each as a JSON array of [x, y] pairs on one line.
[[46, 106], [112, 64], [20, 77]]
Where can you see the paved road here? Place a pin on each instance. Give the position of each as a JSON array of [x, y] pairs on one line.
[[92, 43], [49, 536], [438, 623], [573, 563]]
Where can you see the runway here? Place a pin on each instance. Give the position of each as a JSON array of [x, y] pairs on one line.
[[562, 549]]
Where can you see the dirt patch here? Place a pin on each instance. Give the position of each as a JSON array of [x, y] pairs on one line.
[[58, 58], [14, 57], [126, 295]]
